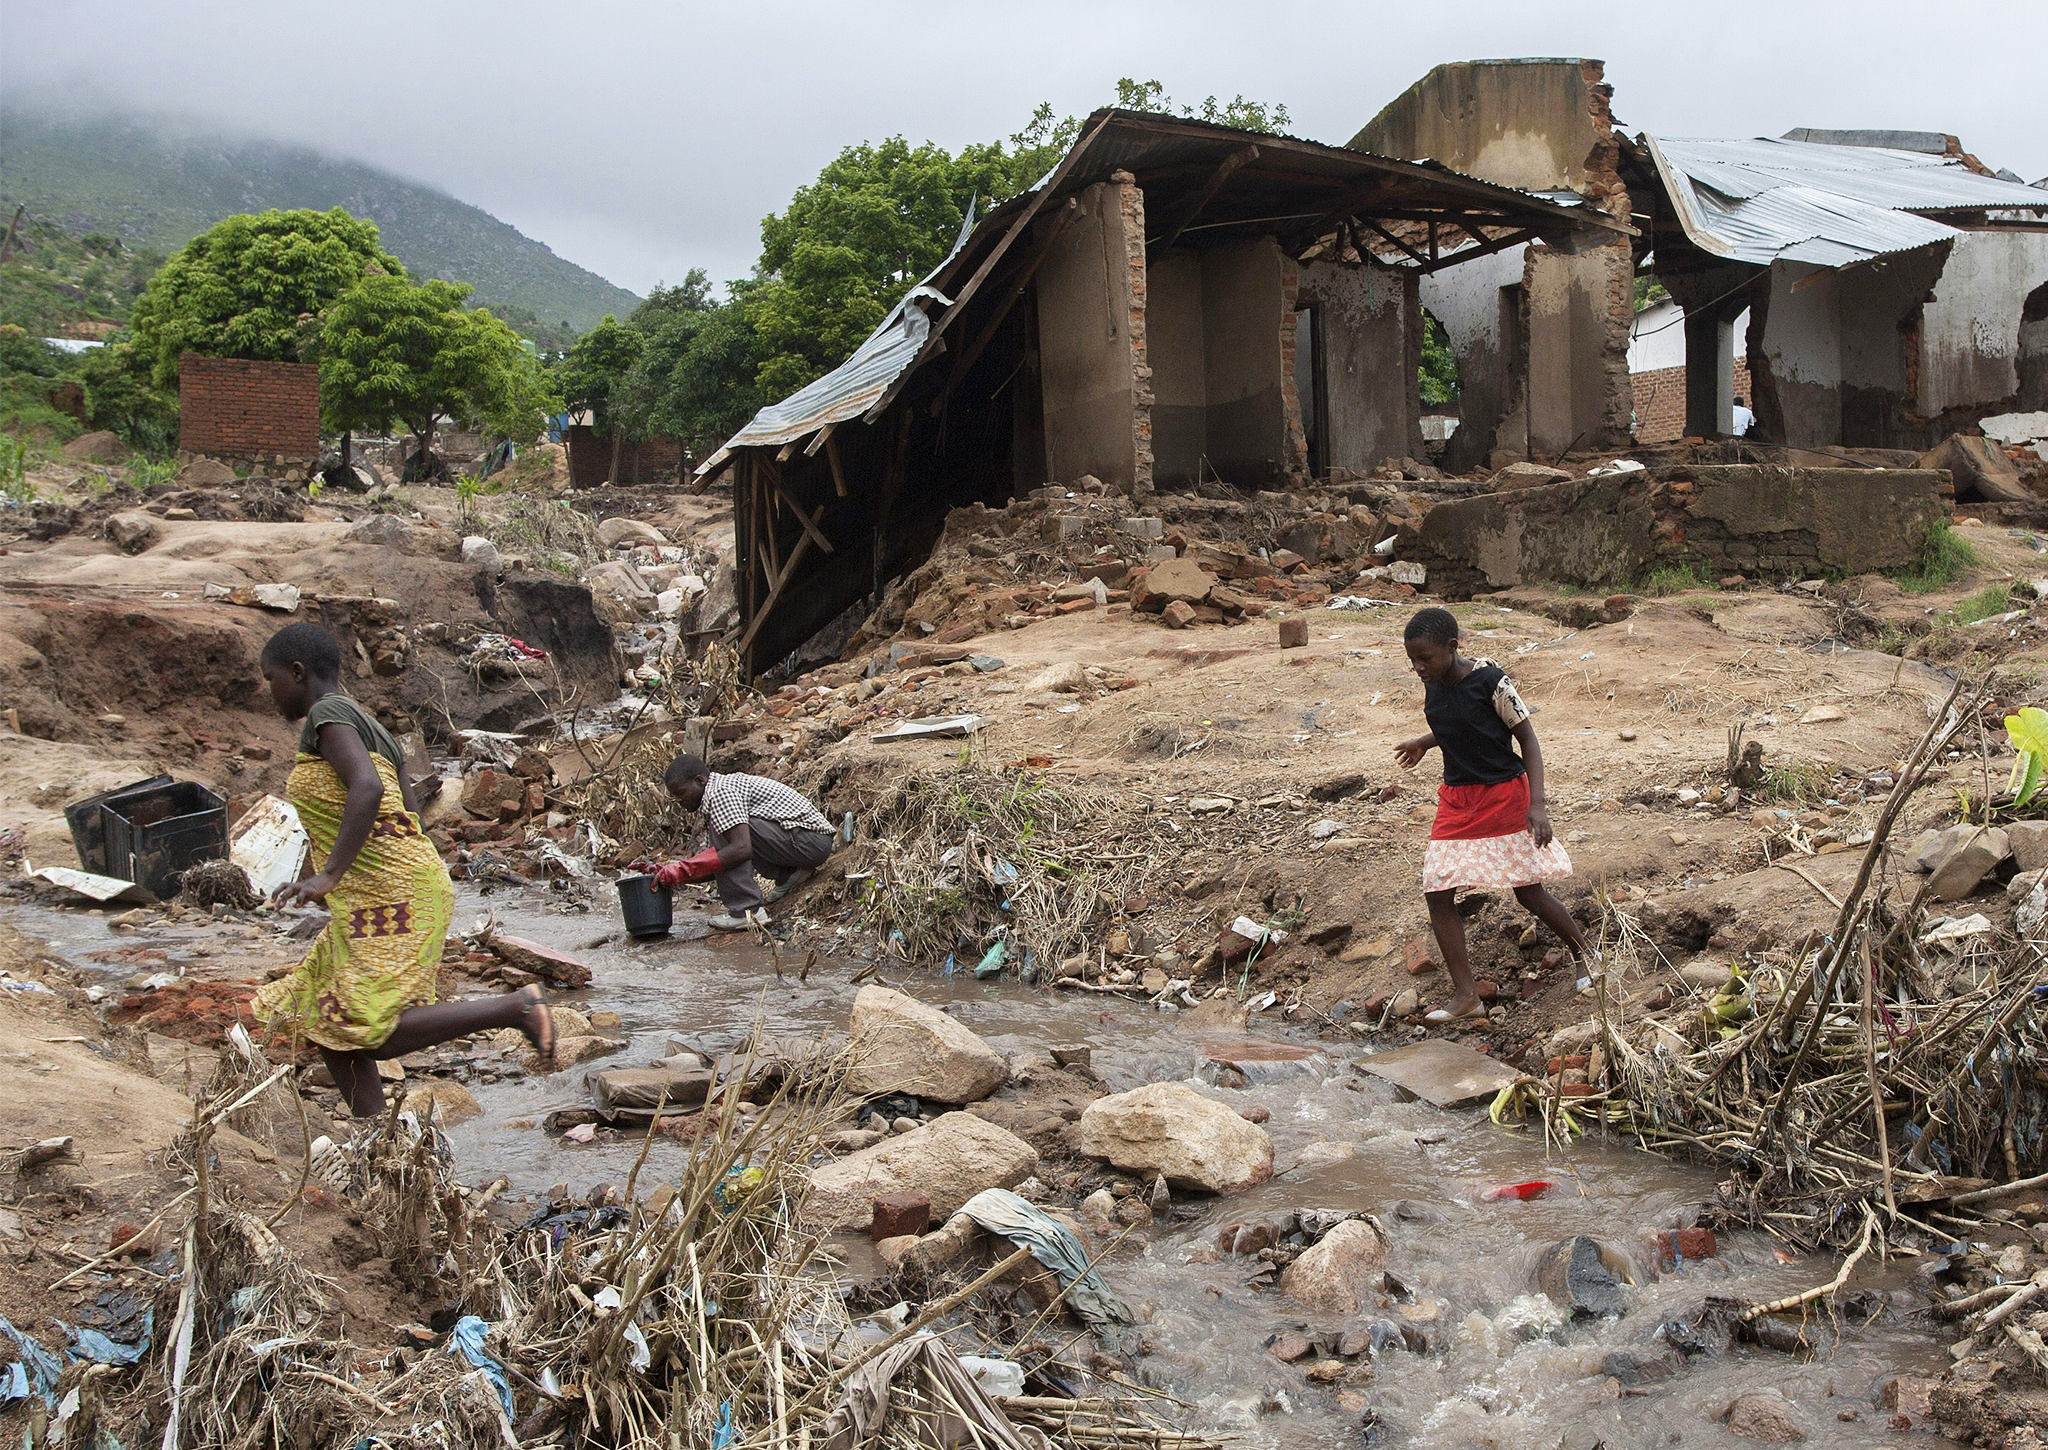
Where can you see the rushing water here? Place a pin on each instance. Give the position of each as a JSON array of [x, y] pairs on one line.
[[1498, 1369]]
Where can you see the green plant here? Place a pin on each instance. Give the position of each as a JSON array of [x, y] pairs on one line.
[[1991, 599], [2028, 731], [1794, 782], [146, 472], [315, 486], [1673, 579], [14, 484], [1944, 558]]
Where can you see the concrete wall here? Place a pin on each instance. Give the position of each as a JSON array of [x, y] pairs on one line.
[[1180, 393], [1543, 125], [1762, 522], [1245, 313], [1371, 321], [1525, 123], [2033, 359], [1829, 353], [1970, 331], [1094, 377], [1467, 300]]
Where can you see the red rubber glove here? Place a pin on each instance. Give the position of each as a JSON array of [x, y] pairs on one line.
[[700, 867]]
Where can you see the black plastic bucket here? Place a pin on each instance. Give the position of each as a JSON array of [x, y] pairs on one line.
[[88, 828], [649, 909], [154, 834]]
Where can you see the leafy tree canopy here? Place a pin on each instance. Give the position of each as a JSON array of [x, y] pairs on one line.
[[254, 286], [397, 351]]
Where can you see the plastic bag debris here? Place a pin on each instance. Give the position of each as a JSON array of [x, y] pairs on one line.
[[468, 1339], [35, 1372], [1026, 1225]]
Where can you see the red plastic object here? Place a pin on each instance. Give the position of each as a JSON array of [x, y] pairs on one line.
[[1534, 1188]]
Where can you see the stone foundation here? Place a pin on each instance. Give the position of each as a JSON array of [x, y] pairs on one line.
[[1762, 522]]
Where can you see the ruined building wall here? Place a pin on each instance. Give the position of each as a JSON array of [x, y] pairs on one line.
[[1762, 522], [260, 412], [1180, 388], [1244, 307], [1542, 125], [1095, 379], [1831, 352], [1970, 331], [1371, 322]]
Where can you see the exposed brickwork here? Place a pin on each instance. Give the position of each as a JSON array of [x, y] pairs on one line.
[[1660, 401], [1131, 210], [234, 408], [1294, 446], [654, 460]]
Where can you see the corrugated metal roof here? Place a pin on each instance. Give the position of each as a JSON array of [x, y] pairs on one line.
[[1764, 200]]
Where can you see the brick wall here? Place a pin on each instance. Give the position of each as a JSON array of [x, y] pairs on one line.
[[233, 408], [1660, 401], [654, 460]]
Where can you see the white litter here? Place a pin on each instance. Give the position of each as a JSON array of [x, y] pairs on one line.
[[269, 843]]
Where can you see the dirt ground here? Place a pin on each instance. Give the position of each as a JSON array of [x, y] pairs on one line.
[[1215, 774]]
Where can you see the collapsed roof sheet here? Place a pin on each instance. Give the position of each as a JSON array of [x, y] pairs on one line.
[[1764, 201]]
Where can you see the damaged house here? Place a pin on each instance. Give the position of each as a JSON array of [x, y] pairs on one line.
[[1176, 302], [1893, 289]]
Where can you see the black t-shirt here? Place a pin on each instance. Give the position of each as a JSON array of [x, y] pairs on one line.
[[1473, 720]]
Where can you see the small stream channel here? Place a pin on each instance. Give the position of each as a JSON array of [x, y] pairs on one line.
[[1499, 1370]]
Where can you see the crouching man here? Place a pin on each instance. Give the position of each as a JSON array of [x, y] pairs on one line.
[[749, 820]]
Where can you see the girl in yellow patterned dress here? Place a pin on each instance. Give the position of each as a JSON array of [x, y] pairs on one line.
[[366, 990]]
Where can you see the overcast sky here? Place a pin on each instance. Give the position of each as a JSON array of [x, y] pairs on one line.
[[641, 138]]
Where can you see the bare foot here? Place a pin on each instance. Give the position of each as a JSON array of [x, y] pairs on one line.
[[538, 1023]]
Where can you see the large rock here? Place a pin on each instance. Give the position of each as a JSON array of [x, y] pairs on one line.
[[204, 472], [903, 1046], [1342, 1272], [2028, 841], [384, 531], [100, 447], [1171, 581], [133, 531], [1974, 856], [1583, 1277], [1765, 1415], [476, 549], [1170, 1129], [450, 1102], [622, 595], [949, 1160], [616, 531]]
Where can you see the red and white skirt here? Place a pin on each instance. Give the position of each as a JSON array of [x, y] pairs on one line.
[[1481, 842]]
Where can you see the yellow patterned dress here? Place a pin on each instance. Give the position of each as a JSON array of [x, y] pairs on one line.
[[391, 911]]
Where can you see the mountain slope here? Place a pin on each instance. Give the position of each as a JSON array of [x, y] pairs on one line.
[[153, 187]]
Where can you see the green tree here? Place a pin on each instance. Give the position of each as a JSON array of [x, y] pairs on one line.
[[254, 287], [396, 351], [120, 397], [594, 374], [694, 378], [1438, 374], [881, 216]]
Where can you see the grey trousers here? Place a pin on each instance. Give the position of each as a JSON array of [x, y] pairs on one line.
[[777, 849]]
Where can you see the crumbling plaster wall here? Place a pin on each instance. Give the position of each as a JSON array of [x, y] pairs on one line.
[[1970, 331], [1542, 125], [1095, 377], [1830, 350], [1469, 301], [1247, 315], [1180, 390], [1760, 521], [1371, 321]]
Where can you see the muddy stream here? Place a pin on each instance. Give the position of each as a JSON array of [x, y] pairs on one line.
[[1500, 1368]]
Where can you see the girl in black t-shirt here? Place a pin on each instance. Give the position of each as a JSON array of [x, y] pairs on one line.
[[1492, 829]]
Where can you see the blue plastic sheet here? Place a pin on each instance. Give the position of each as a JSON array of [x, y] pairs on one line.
[[723, 1433], [35, 1372], [101, 1349], [468, 1337]]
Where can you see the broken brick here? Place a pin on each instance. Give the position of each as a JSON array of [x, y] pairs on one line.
[[1669, 1247], [1177, 615], [1293, 633], [900, 1213], [1417, 957]]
